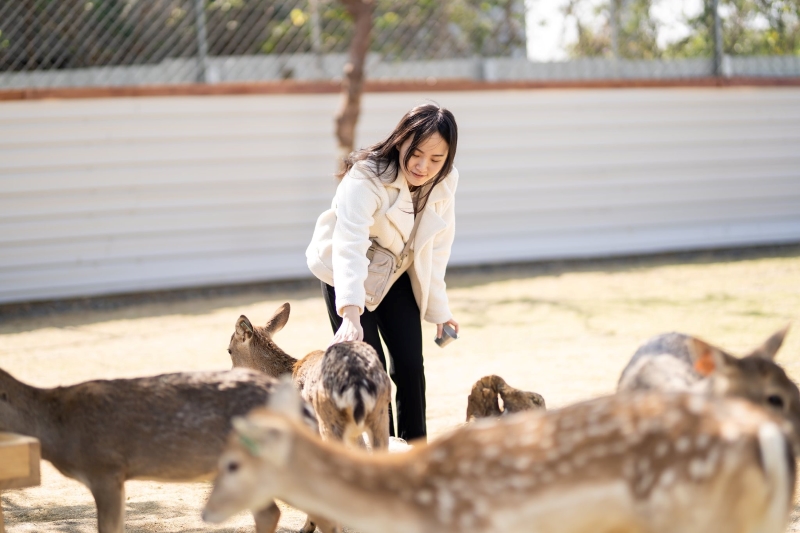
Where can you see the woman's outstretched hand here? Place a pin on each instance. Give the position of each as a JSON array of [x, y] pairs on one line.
[[439, 327], [350, 330]]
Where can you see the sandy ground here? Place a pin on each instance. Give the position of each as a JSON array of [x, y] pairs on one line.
[[564, 330]]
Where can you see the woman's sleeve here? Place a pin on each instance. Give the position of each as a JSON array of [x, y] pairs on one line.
[[357, 200], [438, 311]]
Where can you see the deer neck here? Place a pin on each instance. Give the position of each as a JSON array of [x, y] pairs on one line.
[[26, 410], [347, 487], [272, 360]]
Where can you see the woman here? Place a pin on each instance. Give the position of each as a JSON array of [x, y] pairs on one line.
[[383, 189]]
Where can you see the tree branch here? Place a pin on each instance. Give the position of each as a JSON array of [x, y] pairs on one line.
[[353, 82]]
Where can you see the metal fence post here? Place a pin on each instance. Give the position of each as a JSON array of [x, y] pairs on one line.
[[316, 38], [718, 55], [614, 14], [202, 42]]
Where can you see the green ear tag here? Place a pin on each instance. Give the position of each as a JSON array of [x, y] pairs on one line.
[[250, 445]]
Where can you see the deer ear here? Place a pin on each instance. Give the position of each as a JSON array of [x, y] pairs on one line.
[[706, 358], [771, 346], [278, 320], [286, 400], [243, 327]]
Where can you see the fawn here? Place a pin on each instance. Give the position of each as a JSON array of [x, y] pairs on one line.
[[347, 384], [674, 362], [170, 427], [482, 401], [636, 462]]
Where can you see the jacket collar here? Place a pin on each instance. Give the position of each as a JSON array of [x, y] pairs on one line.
[[400, 212], [440, 192]]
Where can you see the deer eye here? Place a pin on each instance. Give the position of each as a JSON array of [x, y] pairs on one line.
[[233, 466], [775, 401], [229, 351]]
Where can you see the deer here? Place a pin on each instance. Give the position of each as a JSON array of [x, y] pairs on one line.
[[346, 384], [676, 362], [638, 462], [483, 399], [169, 427]]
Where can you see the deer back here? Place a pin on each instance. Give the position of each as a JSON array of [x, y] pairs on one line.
[[631, 462], [664, 363], [350, 390], [677, 362], [170, 427]]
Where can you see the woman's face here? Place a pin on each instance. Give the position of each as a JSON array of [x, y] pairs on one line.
[[426, 161]]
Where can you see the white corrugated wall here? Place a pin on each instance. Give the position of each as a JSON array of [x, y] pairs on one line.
[[112, 195]]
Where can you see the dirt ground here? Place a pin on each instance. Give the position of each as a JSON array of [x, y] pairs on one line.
[[564, 330]]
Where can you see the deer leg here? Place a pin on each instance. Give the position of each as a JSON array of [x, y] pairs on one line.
[[109, 496], [367, 441], [378, 429], [2, 520], [310, 526], [328, 430], [267, 518], [325, 526]]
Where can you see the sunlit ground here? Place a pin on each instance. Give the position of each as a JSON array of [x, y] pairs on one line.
[[564, 330]]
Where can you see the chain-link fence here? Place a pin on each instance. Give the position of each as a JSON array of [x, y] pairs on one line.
[[68, 43]]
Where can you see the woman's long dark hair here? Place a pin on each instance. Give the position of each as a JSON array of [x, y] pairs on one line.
[[418, 124]]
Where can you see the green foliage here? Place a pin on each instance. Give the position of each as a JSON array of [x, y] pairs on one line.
[[779, 34], [425, 29], [46, 34], [402, 29], [488, 28], [636, 30], [749, 27]]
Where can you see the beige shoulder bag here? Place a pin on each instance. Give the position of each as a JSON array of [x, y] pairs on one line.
[[382, 264]]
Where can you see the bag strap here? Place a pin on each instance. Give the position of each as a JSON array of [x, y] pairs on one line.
[[407, 247]]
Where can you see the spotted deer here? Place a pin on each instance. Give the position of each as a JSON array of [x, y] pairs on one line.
[[483, 399], [347, 384], [632, 462], [674, 362], [170, 427]]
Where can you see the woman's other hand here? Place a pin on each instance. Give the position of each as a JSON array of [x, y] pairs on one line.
[[439, 327], [350, 330]]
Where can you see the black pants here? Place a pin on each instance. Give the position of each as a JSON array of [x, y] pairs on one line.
[[398, 322]]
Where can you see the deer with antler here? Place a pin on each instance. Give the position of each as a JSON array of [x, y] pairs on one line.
[[633, 462]]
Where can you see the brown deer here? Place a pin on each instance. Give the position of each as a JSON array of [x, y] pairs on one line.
[[170, 427], [674, 362], [347, 384], [483, 399], [634, 463]]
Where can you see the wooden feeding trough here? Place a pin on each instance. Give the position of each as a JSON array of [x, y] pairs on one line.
[[19, 464]]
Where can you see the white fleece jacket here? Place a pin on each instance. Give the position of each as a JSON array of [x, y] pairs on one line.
[[364, 207]]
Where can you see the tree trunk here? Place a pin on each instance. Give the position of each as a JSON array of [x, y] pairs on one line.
[[353, 81]]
